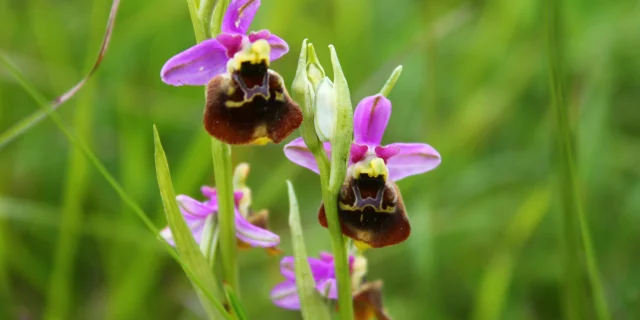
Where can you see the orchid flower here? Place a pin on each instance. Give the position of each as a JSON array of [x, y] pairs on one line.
[[371, 209], [207, 59], [246, 102], [250, 228], [367, 297]]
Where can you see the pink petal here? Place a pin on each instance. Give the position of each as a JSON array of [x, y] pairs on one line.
[[358, 152], [278, 46], [386, 152], [413, 158], [194, 209], [319, 269], [298, 153], [328, 288], [209, 192], [370, 119], [285, 295], [196, 226], [196, 65], [253, 235], [237, 196], [326, 256], [232, 42], [239, 15]]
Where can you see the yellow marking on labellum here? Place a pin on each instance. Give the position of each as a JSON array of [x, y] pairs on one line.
[[231, 91], [237, 104], [373, 168], [234, 104], [261, 133], [261, 141], [254, 53], [362, 246], [361, 217], [348, 207], [279, 96]]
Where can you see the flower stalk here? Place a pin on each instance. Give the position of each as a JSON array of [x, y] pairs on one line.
[[222, 170], [302, 91], [204, 20]]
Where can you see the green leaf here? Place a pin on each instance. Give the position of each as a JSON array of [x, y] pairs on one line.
[[201, 276], [494, 285], [311, 303], [234, 302]]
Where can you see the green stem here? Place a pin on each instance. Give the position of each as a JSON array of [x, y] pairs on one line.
[[568, 186], [198, 30], [345, 299], [221, 153], [223, 172], [330, 199], [332, 173], [217, 14]]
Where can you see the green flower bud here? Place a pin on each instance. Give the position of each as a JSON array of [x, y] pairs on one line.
[[315, 72]]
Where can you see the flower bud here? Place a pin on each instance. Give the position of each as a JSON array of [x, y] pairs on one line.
[[325, 110], [315, 72], [302, 89]]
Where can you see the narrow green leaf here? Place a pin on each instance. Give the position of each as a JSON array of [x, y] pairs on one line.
[[24, 125], [576, 227], [311, 303], [234, 302], [102, 170], [494, 286], [185, 243]]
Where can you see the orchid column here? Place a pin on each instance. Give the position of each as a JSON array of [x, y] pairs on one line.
[[246, 102]]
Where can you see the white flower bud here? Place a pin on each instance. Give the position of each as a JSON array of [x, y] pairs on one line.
[[326, 116]]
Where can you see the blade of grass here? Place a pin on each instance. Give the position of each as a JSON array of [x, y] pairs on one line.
[[42, 103], [494, 285], [6, 309], [311, 303], [185, 243], [568, 186], [24, 125], [60, 298]]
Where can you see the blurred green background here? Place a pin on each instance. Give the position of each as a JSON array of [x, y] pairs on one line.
[[486, 241]]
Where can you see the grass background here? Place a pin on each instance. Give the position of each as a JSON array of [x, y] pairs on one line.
[[487, 231]]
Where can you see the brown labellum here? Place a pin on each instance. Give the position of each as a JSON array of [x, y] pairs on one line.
[[371, 210], [250, 106]]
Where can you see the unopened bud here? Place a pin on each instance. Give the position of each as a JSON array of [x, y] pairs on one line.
[[315, 72], [325, 110]]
